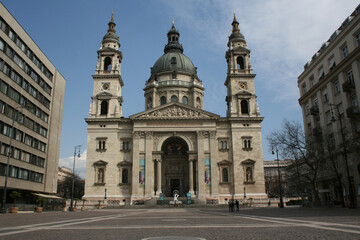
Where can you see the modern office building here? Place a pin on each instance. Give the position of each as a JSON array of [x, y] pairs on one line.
[[174, 145], [31, 107], [329, 97]]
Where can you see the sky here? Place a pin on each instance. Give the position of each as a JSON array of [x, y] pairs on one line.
[[281, 34]]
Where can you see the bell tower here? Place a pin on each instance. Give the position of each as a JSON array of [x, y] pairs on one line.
[[241, 98], [107, 99]]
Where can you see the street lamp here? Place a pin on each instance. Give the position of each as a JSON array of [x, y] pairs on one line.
[[3, 208], [351, 190], [280, 188], [244, 193], [77, 150]]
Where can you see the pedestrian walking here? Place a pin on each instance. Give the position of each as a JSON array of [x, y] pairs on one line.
[[237, 205]]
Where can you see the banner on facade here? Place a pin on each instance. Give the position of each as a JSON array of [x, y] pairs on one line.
[[207, 166], [142, 172]]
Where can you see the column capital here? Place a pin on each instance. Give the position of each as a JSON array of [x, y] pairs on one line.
[[138, 134], [149, 134]]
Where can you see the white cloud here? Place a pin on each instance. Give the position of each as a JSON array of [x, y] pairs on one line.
[[282, 34], [80, 163]]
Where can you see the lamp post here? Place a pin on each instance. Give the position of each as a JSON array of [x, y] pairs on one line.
[[76, 150], [3, 208], [280, 188], [244, 193], [351, 190]]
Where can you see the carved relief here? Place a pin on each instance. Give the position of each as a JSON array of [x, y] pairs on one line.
[[149, 135], [138, 134], [202, 134], [212, 134], [175, 112]]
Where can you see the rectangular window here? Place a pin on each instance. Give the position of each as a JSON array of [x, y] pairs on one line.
[[304, 88], [16, 77], [350, 76], [357, 39], [19, 61], [11, 35], [3, 87], [316, 103], [312, 81], [21, 44], [14, 95], [25, 85], [14, 171], [4, 149], [332, 62], [2, 45], [321, 73], [2, 25], [9, 52], [326, 96], [18, 135], [337, 86], [36, 61], [6, 69], [345, 51]]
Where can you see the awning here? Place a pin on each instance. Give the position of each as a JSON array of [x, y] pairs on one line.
[[47, 196]]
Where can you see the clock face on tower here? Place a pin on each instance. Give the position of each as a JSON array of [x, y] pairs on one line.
[[105, 86], [242, 85]]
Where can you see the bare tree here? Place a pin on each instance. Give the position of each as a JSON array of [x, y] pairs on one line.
[[306, 153]]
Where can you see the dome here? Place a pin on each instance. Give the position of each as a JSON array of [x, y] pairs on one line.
[[173, 61]]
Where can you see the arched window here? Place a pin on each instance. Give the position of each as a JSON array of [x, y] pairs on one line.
[[240, 63], [244, 107], [185, 100], [107, 64], [124, 176], [225, 175], [174, 98], [104, 108], [162, 100]]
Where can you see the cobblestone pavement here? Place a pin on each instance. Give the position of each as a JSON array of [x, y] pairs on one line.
[[184, 223]]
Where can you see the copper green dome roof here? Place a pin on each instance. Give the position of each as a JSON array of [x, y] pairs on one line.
[[111, 33], [173, 61]]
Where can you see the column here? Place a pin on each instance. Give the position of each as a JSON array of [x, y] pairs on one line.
[[158, 180], [200, 167], [191, 176], [135, 166], [214, 167], [149, 167]]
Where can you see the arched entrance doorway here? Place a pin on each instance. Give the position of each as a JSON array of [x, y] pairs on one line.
[[175, 166]]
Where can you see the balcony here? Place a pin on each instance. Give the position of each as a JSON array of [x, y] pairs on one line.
[[352, 112], [348, 86], [314, 110]]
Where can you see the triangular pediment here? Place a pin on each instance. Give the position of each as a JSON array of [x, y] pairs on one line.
[[100, 163], [248, 162], [104, 95], [174, 110], [244, 93]]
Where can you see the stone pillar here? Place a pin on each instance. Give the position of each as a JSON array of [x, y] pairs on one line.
[[135, 168], [158, 180], [149, 166], [200, 166], [214, 167], [191, 177]]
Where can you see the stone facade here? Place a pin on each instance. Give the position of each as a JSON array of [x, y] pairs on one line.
[[174, 144], [329, 97]]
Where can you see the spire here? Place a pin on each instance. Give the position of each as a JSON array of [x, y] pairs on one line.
[[111, 32], [236, 31], [173, 40]]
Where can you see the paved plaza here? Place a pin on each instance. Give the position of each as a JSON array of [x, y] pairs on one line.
[[184, 223]]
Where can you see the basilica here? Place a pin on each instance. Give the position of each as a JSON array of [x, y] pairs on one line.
[[174, 145]]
